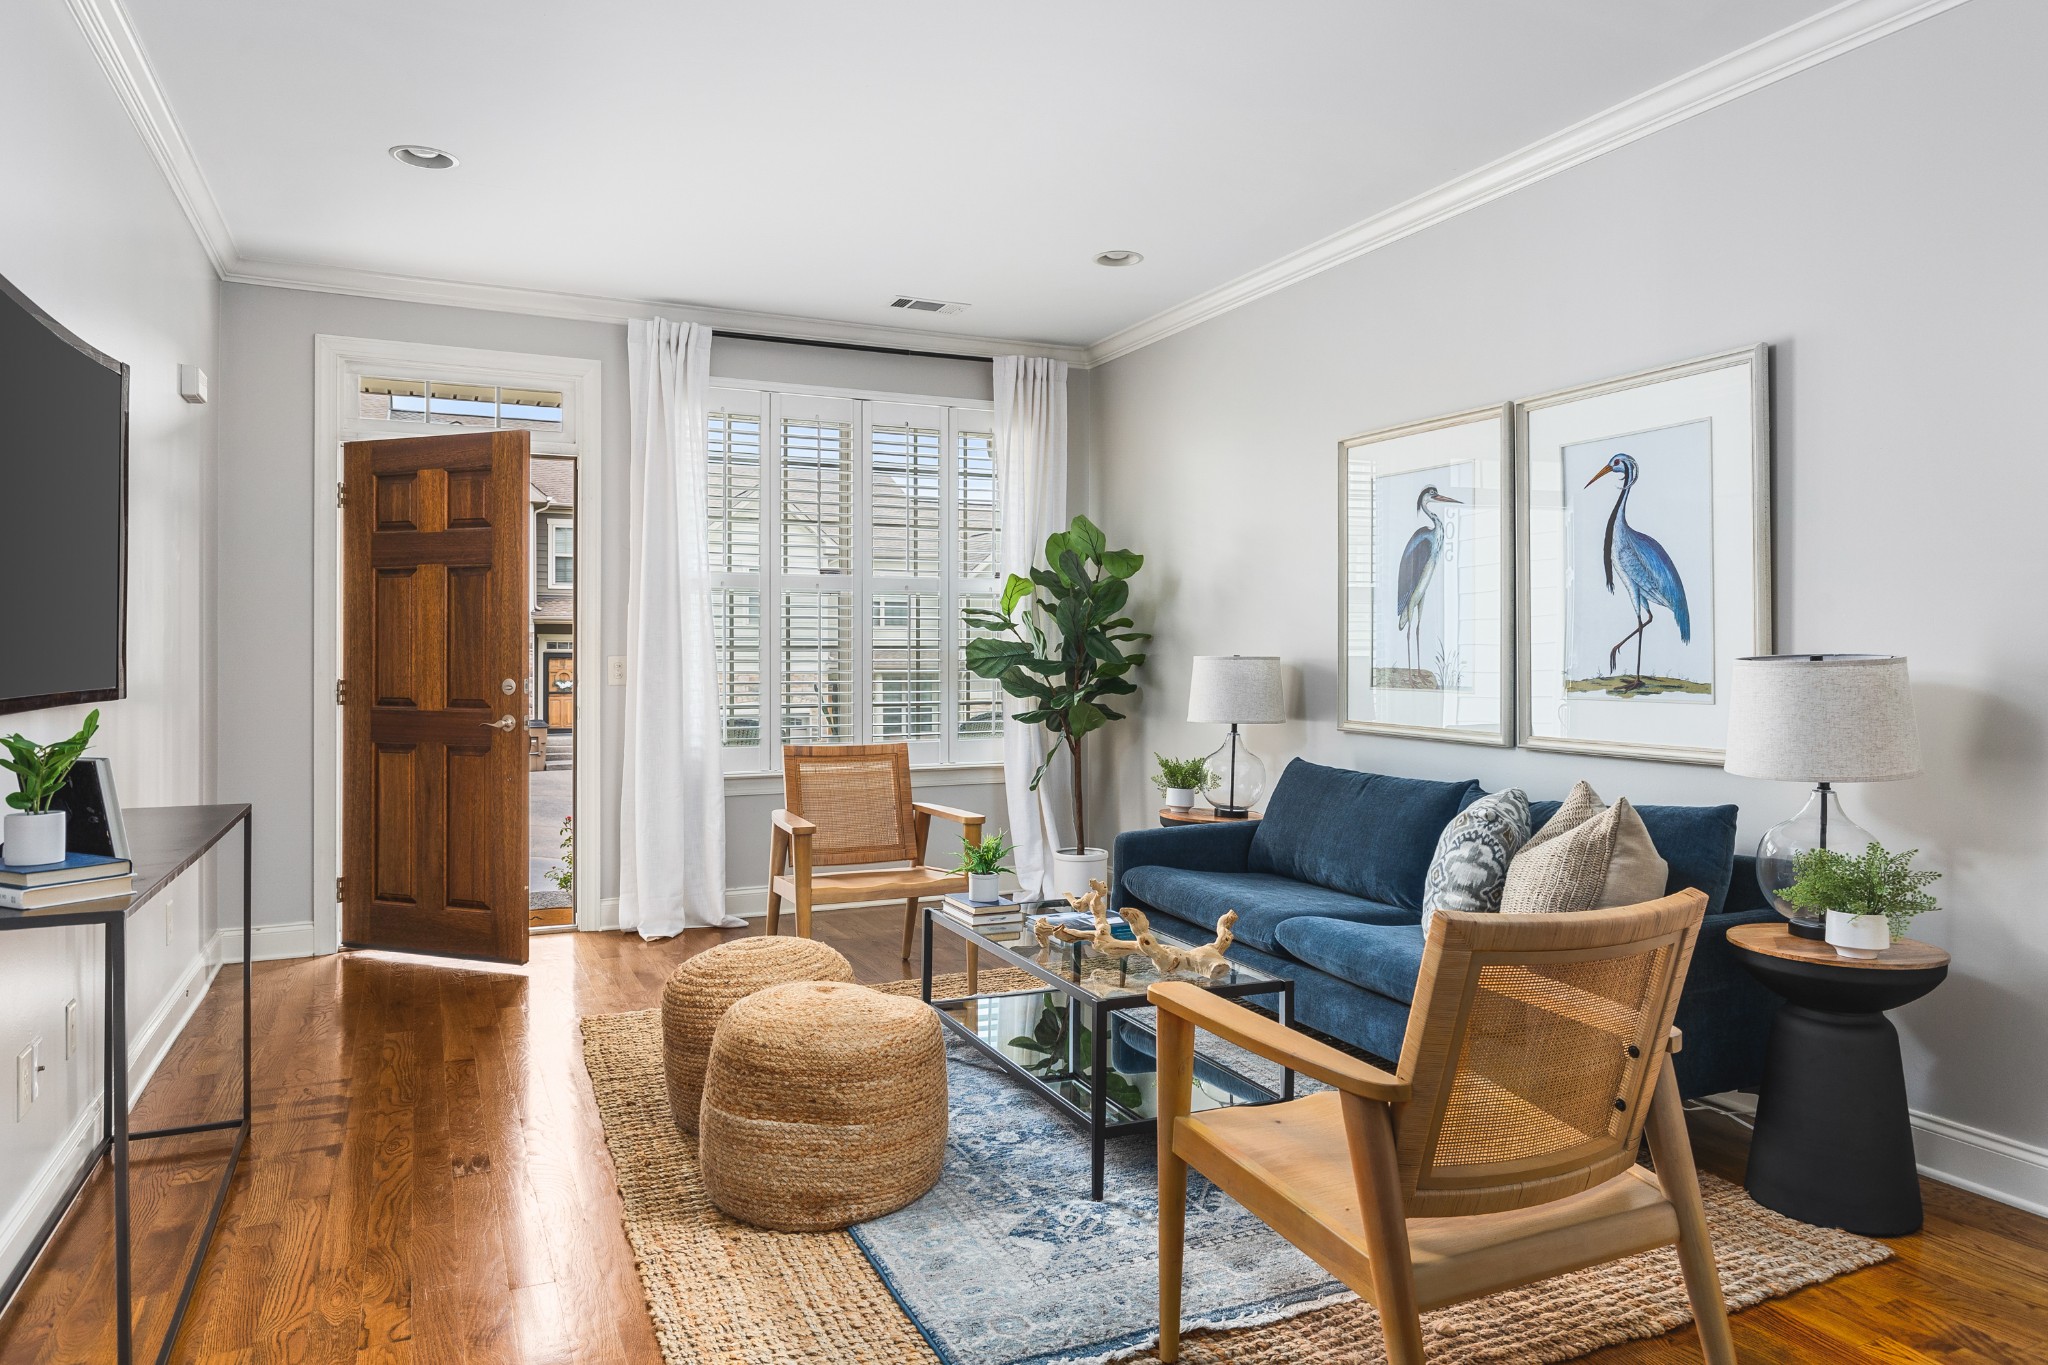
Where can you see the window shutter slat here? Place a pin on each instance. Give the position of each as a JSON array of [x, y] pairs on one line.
[[817, 497], [817, 666], [733, 456], [907, 688], [903, 472], [981, 521]]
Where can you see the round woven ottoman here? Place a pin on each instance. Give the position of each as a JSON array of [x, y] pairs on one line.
[[825, 1104], [700, 991]]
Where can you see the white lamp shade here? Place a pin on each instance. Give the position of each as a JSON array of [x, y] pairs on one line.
[[1822, 718], [1236, 689]]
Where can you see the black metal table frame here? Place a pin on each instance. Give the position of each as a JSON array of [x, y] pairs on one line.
[[115, 1135], [1096, 1116]]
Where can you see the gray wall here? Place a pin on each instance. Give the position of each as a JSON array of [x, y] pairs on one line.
[[265, 390], [1875, 219], [90, 232]]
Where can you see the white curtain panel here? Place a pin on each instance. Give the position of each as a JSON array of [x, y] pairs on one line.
[[1031, 476], [672, 809]]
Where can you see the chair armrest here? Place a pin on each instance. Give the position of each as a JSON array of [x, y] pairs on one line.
[[1221, 847], [1675, 1042], [957, 816], [1277, 1043], [794, 825]]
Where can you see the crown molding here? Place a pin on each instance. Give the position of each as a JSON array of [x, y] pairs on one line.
[[600, 308], [120, 55], [1828, 34]]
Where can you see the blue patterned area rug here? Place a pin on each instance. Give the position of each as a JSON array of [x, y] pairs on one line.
[[1008, 1262]]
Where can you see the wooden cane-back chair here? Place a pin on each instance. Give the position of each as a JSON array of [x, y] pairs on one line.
[[1503, 1149], [851, 803]]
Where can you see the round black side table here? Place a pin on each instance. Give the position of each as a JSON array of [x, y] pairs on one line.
[[1833, 1145]]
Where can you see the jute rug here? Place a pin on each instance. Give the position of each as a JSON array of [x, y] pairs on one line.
[[721, 1291]]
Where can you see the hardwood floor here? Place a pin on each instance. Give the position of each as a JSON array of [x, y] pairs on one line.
[[428, 1182]]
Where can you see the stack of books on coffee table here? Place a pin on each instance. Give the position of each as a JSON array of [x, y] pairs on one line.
[[80, 877], [1001, 920]]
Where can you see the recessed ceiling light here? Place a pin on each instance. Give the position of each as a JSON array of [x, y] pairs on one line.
[[426, 158], [1118, 258]]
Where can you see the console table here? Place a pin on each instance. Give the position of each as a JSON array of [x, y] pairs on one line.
[[163, 841]]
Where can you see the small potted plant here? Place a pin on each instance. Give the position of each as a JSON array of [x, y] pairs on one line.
[[34, 834], [984, 864], [1869, 899], [1178, 779]]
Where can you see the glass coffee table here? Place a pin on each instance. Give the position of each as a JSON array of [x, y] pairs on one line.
[[1071, 1035]]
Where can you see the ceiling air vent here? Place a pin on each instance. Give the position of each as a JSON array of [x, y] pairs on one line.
[[904, 301]]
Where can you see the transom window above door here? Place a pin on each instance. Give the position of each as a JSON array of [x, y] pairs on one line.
[[450, 403], [846, 535]]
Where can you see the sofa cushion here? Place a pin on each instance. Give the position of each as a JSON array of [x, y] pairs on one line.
[[1698, 842], [1380, 957], [1364, 834], [1262, 901]]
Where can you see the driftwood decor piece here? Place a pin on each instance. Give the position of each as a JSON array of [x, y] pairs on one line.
[[1207, 961]]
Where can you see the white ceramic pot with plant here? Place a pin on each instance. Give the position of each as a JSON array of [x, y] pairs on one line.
[[34, 835], [1178, 779], [985, 863], [1058, 643], [1869, 899]]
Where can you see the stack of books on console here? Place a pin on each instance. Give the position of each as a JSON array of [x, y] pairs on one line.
[[1001, 920], [80, 877]]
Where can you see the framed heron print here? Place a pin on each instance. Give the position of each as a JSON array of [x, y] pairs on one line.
[[1645, 534], [1426, 597]]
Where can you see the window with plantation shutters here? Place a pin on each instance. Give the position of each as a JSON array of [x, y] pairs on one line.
[[847, 533]]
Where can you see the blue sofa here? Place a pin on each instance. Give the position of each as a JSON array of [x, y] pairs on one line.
[[1328, 892]]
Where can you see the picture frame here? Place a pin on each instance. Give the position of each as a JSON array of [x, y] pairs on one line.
[[1426, 601], [1644, 557], [93, 810]]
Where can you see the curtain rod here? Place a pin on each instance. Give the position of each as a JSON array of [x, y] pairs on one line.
[[849, 346]]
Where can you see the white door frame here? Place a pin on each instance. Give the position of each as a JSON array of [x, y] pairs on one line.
[[336, 362]]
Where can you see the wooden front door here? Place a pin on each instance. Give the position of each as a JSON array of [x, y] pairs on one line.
[[561, 685], [434, 619]]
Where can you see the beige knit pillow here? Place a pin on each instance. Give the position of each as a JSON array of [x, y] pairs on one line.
[[1581, 805], [1600, 861]]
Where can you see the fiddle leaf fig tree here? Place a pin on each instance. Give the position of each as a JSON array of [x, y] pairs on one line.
[[1066, 651]]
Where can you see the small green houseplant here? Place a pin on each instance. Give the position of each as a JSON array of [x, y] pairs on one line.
[[1065, 654], [1178, 779], [35, 834], [1870, 899], [984, 863]]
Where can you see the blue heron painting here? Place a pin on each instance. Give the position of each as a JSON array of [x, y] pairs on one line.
[[1418, 568], [1644, 567]]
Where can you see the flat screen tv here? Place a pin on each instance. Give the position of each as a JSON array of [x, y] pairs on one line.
[[64, 485]]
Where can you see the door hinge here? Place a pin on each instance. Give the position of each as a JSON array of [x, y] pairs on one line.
[[340, 889], [341, 495], [341, 691]]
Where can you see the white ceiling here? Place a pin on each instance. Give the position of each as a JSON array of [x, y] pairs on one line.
[[816, 159]]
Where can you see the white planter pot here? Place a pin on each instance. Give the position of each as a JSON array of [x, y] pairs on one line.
[[1859, 935], [33, 840], [984, 888], [1071, 872], [1180, 799]]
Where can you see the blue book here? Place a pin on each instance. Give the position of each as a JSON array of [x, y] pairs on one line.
[[76, 867]]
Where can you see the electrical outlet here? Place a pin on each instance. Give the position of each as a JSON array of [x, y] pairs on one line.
[[70, 1029], [24, 1081], [615, 670], [35, 1071]]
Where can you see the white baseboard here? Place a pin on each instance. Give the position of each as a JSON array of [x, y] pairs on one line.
[[49, 1182], [273, 942], [152, 1042], [1983, 1163]]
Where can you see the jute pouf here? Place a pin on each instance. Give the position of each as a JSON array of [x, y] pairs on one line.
[[704, 987], [824, 1105]]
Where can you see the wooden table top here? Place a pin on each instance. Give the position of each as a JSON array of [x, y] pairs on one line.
[[1201, 815], [1778, 940]]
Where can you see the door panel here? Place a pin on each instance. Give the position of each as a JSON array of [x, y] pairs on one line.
[[434, 573]]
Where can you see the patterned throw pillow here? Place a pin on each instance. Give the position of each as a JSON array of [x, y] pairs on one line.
[[1602, 857], [1472, 855]]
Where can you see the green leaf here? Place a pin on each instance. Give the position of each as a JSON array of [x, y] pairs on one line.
[[996, 655], [1084, 717], [1099, 647], [1086, 538], [1116, 687], [1056, 545], [1028, 1045], [1072, 570], [18, 800], [1015, 590], [1122, 563], [1110, 596], [1019, 683]]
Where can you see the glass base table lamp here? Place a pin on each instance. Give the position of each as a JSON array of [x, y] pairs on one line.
[[1234, 690], [1819, 718]]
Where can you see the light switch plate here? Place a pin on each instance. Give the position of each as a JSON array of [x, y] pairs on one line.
[[615, 670], [24, 1081], [70, 1029]]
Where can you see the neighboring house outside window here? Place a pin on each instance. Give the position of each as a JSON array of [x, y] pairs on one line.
[[552, 637], [846, 535]]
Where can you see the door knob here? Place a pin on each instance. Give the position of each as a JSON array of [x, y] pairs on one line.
[[506, 723]]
